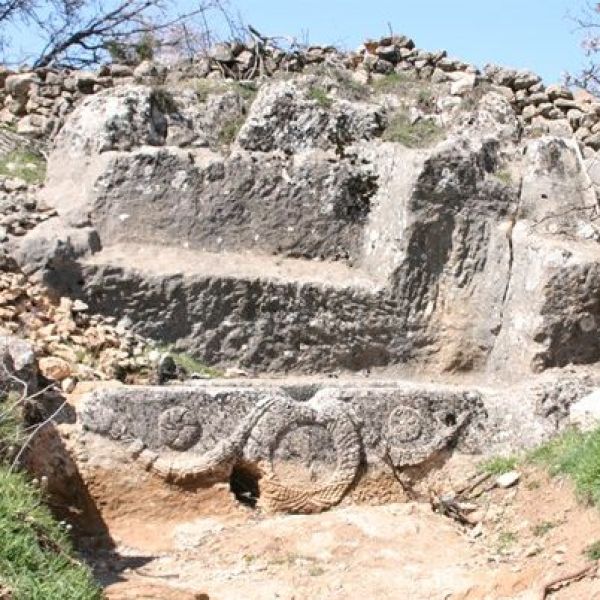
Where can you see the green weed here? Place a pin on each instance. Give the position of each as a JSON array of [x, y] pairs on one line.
[[577, 455], [36, 558], [320, 96], [24, 164], [421, 134], [498, 465]]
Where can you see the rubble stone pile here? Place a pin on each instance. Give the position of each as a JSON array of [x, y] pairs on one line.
[[71, 344], [37, 102]]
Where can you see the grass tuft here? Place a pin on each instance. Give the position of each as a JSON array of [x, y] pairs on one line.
[[541, 529], [593, 551], [395, 83], [36, 557], [421, 134], [320, 96], [230, 130], [164, 100], [189, 363], [499, 465], [577, 455], [24, 164]]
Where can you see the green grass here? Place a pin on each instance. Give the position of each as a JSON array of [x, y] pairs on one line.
[[421, 134], [36, 557], [25, 165], [577, 455], [395, 83], [593, 551], [320, 96], [189, 363], [206, 87], [498, 465], [541, 529]]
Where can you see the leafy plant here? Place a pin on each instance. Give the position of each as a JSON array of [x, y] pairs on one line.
[[420, 134], [504, 176], [506, 539], [24, 164], [189, 363]]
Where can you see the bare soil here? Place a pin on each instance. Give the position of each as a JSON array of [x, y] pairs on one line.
[[204, 544]]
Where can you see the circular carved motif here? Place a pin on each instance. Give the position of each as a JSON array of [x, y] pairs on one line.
[[405, 425], [310, 455], [179, 428]]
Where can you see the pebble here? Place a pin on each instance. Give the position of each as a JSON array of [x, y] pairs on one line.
[[507, 480]]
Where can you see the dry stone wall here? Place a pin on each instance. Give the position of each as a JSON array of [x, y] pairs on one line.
[[36, 102]]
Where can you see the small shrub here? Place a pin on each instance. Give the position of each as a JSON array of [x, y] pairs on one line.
[[426, 100], [206, 87], [471, 100], [164, 100], [190, 364], [499, 465], [24, 164], [145, 47], [577, 455], [593, 551], [229, 131], [246, 91], [506, 539], [421, 134], [320, 96]]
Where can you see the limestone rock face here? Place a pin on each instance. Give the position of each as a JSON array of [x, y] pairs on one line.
[[114, 120], [283, 234], [290, 118]]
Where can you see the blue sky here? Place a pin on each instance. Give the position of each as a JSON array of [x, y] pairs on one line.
[[522, 33]]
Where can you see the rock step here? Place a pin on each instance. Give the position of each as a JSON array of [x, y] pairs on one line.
[[264, 313], [164, 261]]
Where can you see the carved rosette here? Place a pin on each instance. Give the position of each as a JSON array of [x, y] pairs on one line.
[[413, 434], [337, 436], [179, 428]]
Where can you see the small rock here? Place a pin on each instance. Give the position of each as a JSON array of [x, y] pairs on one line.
[[68, 385], [507, 480], [79, 306], [54, 368], [585, 413]]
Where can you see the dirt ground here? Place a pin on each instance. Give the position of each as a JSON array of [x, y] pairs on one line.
[[525, 537]]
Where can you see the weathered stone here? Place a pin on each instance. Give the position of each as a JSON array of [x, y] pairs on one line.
[[54, 368], [585, 413], [119, 70], [507, 480], [525, 79], [222, 53], [558, 91], [463, 86], [389, 53]]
